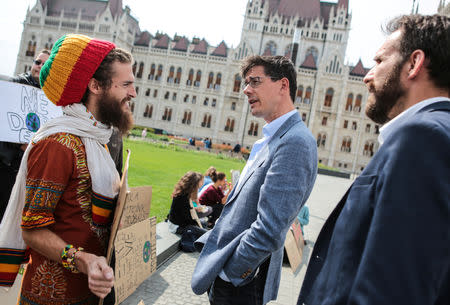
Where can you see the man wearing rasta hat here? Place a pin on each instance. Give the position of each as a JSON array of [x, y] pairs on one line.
[[64, 194]]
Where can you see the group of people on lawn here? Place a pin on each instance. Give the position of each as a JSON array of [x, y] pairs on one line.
[[205, 194]]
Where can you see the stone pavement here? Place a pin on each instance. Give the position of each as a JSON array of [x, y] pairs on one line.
[[170, 284]]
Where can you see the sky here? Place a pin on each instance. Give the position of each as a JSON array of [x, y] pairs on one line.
[[217, 20]]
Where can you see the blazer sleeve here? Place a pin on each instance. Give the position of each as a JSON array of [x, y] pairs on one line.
[[406, 254], [286, 186]]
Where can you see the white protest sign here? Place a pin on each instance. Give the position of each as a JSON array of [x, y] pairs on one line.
[[24, 109]]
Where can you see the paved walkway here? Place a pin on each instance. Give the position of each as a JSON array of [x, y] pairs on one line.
[[171, 282]]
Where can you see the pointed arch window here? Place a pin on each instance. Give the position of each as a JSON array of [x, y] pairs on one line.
[[369, 148], [349, 104], [299, 96], [186, 117], [237, 83], [134, 68], [167, 116], [171, 74], [178, 76], [328, 97], [218, 81], [210, 80], [358, 103], [31, 49], [307, 98], [141, 70], [346, 145], [270, 48], [312, 51], [253, 130], [190, 77], [198, 78], [148, 111], [206, 120], [151, 75], [321, 140], [229, 126], [159, 72]]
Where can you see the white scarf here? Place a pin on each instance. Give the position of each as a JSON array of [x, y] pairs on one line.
[[77, 120]]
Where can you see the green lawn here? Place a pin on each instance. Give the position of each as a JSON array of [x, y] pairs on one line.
[[161, 166]]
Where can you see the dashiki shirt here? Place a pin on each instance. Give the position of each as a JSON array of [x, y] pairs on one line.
[[58, 197]]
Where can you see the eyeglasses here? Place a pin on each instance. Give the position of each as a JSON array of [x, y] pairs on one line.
[[38, 62], [255, 82]]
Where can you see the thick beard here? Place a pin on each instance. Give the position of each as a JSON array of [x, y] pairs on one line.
[[111, 113], [386, 97]]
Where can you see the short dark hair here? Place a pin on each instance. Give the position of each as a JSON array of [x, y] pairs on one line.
[[277, 67], [216, 176], [104, 72], [431, 35], [44, 51]]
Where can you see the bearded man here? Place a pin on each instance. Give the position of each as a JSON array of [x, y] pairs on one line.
[[387, 240], [65, 190]]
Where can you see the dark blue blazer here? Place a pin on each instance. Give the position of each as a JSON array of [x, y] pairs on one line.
[[387, 241]]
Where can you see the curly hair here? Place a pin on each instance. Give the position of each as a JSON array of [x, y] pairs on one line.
[[187, 185], [431, 34]]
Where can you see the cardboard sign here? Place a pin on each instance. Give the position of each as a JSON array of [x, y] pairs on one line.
[[135, 249], [294, 245], [24, 110], [137, 206], [235, 176], [298, 235], [119, 210]]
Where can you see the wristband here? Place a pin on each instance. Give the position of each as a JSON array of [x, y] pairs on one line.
[[68, 260]]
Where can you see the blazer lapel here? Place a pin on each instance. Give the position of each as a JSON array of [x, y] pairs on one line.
[[262, 155]]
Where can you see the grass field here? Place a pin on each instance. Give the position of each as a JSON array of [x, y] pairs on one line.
[[161, 166]]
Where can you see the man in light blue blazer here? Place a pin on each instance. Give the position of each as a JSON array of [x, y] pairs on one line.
[[242, 256]]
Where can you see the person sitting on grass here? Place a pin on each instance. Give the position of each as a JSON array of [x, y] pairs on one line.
[[207, 179], [180, 218], [214, 196]]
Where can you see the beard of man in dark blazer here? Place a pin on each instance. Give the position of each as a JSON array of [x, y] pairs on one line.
[[387, 241], [242, 256]]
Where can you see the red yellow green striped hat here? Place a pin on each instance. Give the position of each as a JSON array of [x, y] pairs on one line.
[[73, 61]]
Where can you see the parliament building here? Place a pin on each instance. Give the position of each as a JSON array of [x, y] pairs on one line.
[[190, 88]]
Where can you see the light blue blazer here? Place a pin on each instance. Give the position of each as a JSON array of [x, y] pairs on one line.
[[258, 214]]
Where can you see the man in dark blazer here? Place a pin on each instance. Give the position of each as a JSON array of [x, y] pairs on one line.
[[240, 263], [387, 241]]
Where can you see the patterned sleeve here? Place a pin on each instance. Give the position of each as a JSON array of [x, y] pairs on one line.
[[50, 166]]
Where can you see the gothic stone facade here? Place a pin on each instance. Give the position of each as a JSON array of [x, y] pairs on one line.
[[189, 88]]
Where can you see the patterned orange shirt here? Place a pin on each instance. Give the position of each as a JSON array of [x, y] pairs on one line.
[[58, 197]]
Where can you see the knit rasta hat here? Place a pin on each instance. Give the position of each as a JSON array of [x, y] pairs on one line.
[[73, 61]]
